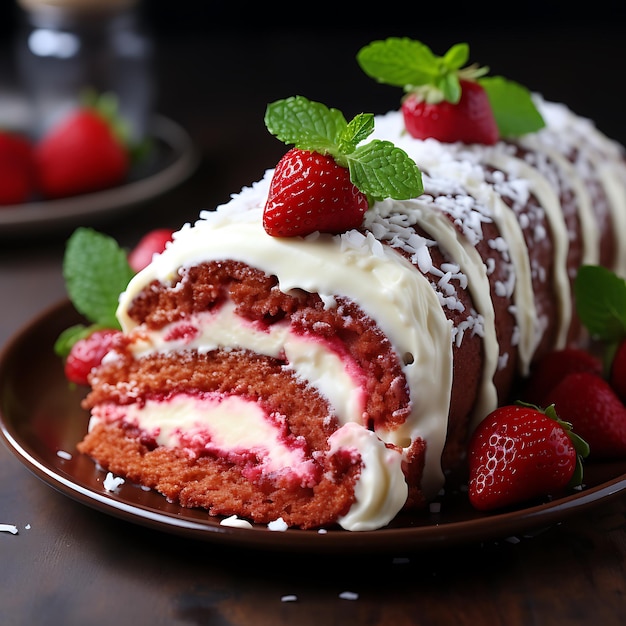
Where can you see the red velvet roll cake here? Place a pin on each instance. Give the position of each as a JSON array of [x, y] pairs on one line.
[[332, 378]]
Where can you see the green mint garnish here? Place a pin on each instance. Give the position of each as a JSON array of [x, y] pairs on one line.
[[601, 303], [379, 169], [600, 297], [410, 64], [96, 271], [512, 106]]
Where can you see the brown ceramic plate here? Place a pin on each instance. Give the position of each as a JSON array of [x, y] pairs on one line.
[[172, 159], [40, 416]]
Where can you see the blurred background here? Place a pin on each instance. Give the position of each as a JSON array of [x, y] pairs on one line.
[[214, 66]]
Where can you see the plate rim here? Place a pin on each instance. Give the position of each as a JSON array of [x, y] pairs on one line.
[[51, 213], [491, 526]]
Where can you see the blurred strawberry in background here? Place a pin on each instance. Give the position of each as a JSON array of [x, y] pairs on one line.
[[17, 169]]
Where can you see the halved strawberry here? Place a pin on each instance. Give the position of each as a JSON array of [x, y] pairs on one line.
[[310, 192], [518, 453], [328, 179], [470, 120]]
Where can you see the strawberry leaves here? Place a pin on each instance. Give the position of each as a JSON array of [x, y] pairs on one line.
[[378, 169], [410, 64]]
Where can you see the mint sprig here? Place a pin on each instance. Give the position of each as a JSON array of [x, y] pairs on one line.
[[600, 297], [379, 169], [601, 302], [512, 106], [96, 271], [410, 64]]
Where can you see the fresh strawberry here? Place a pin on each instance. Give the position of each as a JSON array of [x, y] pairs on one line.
[[446, 100], [519, 453], [310, 192], [153, 242], [589, 403], [470, 120], [17, 168], [328, 179], [83, 153], [550, 369], [87, 353]]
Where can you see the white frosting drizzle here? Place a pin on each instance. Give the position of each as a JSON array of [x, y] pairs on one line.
[[594, 155], [457, 167], [548, 199], [442, 230], [613, 178], [588, 225]]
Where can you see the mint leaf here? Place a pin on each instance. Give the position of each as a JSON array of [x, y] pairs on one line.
[[601, 302], [410, 64], [456, 57], [306, 124], [96, 271], [381, 170], [512, 105], [398, 62], [359, 129]]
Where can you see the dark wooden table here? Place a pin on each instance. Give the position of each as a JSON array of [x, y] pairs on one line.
[[70, 564]]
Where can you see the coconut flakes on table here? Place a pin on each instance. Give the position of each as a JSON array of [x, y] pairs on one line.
[[278, 525], [235, 522], [8, 528], [112, 483]]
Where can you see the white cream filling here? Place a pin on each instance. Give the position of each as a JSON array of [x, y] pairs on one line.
[[311, 359], [226, 425]]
